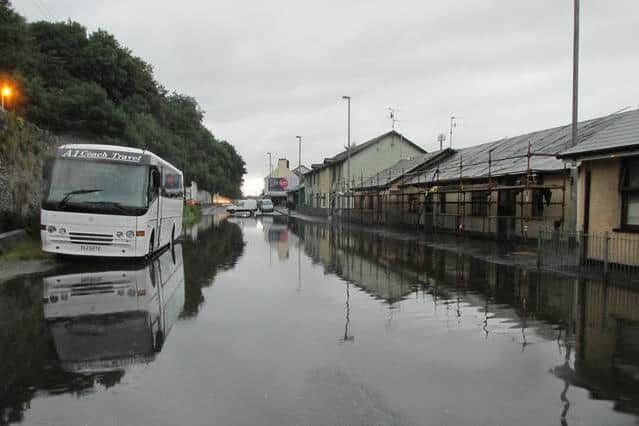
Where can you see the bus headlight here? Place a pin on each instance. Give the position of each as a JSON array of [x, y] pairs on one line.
[[62, 231], [119, 234], [51, 229], [130, 234]]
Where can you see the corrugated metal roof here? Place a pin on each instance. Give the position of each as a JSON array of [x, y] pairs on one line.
[[397, 170], [622, 134], [509, 155]]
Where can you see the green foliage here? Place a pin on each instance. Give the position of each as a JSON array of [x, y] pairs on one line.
[[191, 215], [90, 85]]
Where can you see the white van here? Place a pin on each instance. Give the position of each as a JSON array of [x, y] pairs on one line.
[[243, 206]]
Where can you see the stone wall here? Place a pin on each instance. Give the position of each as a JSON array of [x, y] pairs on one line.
[[23, 151]]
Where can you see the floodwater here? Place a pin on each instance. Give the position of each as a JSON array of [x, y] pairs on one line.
[[263, 322]]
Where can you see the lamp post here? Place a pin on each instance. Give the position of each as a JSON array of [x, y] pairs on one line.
[[452, 124], [575, 73], [348, 145], [299, 154], [270, 172]]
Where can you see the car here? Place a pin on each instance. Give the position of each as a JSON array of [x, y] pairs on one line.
[[266, 205]]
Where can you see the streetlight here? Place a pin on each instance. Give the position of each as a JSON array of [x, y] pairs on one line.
[[348, 145], [270, 172], [6, 92], [299, 154]]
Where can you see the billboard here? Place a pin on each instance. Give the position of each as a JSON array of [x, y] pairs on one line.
[[283, 184]]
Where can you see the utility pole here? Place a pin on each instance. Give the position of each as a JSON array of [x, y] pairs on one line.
[[452, 124], [575, 73], [348, 145]]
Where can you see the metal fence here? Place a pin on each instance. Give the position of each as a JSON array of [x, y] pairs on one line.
[[607, 254]]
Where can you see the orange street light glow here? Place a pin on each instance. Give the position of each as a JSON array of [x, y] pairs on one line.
[[6, 91]]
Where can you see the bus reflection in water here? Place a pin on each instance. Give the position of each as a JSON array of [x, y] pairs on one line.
[[106, 320]]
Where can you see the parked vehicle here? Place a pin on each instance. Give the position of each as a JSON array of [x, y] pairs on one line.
[[243, 206], [106, 200], [265, 205]]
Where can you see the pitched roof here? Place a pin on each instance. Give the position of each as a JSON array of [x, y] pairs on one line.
[[343, 156], [301, 170], [399, 169], [509, 155], [621, 134]]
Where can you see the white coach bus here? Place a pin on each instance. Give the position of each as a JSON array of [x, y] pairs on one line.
[[107, 200]]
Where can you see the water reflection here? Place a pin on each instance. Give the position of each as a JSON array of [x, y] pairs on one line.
[[105, 320], [83, 326], [595, 325], [218, 248]]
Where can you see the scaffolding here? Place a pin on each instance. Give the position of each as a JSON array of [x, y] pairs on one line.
[[407, 198]]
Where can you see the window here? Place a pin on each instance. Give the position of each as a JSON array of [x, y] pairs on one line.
[[479, 203], [172, 185], [630, 194], [97, 186]]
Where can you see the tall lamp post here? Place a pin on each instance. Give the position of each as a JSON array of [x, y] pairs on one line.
[[299, 154], [575, 73], [348, 146], [270, 172]]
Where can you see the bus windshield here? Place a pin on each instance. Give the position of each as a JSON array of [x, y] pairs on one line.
[[96, 186]]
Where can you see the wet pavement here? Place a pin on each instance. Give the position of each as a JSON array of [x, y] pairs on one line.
[[260, 321]]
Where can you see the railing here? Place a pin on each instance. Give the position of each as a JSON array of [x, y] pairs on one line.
[[607, 254]]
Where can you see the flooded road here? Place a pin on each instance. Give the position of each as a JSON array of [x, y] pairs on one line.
[[260, 321]]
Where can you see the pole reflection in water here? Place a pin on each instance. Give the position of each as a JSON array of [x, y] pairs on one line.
[[603, 319], [105, 320]]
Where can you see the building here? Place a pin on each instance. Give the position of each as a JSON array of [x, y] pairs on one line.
[[301, 171], [326, 183], [279, 181], [511, 188], [608, 190]]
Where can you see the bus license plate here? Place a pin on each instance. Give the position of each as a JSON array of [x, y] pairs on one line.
[[85, 247]]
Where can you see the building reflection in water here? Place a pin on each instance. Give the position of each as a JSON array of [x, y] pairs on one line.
[[595, 324], [105, 320]]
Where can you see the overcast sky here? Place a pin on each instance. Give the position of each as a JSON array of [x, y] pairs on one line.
[[266, 71]]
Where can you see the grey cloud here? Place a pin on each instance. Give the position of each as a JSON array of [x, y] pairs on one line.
[[265, 71]]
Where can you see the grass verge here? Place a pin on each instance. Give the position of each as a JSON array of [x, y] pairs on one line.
[[26, 250], [191, 215]]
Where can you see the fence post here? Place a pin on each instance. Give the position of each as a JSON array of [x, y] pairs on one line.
[[606, 252], [539, 248]]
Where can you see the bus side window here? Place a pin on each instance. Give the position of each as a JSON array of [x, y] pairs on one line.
[[154, 183], [172, 185]]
